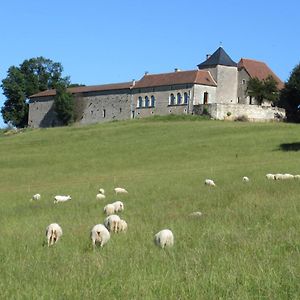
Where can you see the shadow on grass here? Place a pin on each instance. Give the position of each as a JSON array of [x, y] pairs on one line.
[[290, 147]]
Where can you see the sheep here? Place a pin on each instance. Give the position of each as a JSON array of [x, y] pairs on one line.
[[100, 196], [53, 233], [246, 179], [119, 190], [287, 176], [101, 191], [112, 223], [196, 214], [296, 176], [59, 198], [270, 176], [119, 206], [164, 238], [123, 225], [209, 182], [99, 234], [109, 209], [36, 197]]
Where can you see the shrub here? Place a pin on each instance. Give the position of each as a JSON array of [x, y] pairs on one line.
[[242, 118]]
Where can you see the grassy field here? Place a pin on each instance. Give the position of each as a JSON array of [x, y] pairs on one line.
[[246, 245]]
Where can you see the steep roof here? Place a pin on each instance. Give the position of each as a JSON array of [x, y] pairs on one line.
[[87, 89], [219, 57], [179, 77], [259, 70]]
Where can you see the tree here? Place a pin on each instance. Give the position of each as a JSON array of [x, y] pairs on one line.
[[261, 90], [290, 96], [64, 105], [32, 76]]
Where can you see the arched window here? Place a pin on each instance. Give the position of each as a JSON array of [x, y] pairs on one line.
[[152, 101], [172, 99], [205, 98], [179, 98], [146, 101], [140, 102], [185, 98]]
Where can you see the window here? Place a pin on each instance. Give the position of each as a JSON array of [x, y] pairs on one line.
[[172, 99], [152, 101], [104, 113], [205, 98], [140, 102], [243, 81], [185, 98], [146, 101], [120, 109], [179, 98]]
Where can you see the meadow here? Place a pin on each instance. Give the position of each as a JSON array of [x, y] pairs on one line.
[[245, 246]]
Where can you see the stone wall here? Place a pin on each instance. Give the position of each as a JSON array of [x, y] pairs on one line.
[[234, 111]]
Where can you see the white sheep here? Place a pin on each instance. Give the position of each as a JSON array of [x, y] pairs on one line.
[[119, 206], [109, 209], [246, 179], [112, 223], [287, 176], [164, 238], [123, 225], [100, 196], [99, 234], [101, 191], [270, 176], [296, 176], [196, 214], [36, 197], [209, 182], [53, 233], [119, 190], [59, 198]]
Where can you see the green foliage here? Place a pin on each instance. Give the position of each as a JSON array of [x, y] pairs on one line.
[[246, 245], [32, 76], [290, 96], [261, 90], [64, 105]]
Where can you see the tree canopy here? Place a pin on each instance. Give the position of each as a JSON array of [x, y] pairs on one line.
[[261, 90], [32, 76], [290, 95]]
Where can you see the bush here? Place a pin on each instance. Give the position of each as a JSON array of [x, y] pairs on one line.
[[242, 118]]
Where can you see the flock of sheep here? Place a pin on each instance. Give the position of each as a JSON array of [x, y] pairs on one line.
[[100, 233]]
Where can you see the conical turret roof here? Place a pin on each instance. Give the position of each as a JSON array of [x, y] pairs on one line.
[[220, 57]]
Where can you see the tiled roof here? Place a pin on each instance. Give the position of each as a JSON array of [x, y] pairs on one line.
[[86, 89], [219, 57], [179, 77], [259, 70]]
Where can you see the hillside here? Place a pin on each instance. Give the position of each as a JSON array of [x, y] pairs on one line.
[[246, 245]]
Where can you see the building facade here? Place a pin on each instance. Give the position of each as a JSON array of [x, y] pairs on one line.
[[218, 86]]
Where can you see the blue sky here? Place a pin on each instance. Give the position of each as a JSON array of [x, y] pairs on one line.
[[100, 42]]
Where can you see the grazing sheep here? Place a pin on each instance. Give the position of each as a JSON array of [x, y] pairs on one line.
[[164, 238], [53, 233], [59, 198], [109, 209], [296, 176], [101, 191], [36, 197], [100, 196], [123, 225], [99, 234], [287, 176], [246, 179], [209, 182], [119, 190], [270, 176], [196, 214], [119, 206], [112, 223]]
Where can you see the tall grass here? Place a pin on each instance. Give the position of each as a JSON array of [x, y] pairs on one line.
[[246, 245]]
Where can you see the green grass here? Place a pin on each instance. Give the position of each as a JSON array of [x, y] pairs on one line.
[[246, 245]]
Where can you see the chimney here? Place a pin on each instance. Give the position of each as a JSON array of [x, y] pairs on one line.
[[176, 70], [146, 72], [133, 83], [208, 56]]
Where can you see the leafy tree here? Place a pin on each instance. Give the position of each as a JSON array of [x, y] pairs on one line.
[[261, 90], [64, 104], [290, 96], [32, 76]]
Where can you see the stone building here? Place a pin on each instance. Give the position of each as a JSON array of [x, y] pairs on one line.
[[218, 86]]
